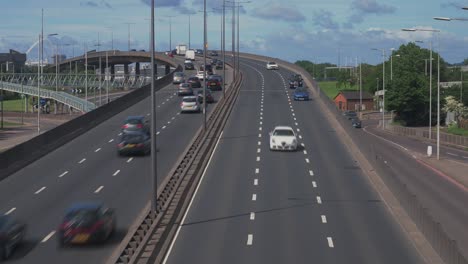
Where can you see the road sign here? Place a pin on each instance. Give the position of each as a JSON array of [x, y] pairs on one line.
[[43, 101]]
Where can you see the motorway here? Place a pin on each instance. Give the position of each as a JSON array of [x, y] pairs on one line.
[[257, 206], [89, 169]]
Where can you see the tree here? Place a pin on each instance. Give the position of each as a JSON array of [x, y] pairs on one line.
[[454, 106]]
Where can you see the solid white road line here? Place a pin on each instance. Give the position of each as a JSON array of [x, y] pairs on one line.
[[129, 160], [10, 211], [256, 182], [81, 161], [63, 174], [48, 237], [249, 240], [330, 242], [314, 184], [324, 219], [254, 197], [99, 189], [110, 141], [191, 200], [116, 172], [40, 190], [252, 216], [97, 150], [311, 173], [319, 200]]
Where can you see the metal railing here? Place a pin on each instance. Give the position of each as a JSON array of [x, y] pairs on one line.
[[62, 97]]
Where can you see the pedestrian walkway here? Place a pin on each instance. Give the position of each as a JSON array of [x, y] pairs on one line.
[[453, 162]]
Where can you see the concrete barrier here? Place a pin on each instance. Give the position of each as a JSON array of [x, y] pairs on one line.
[[25, 153]]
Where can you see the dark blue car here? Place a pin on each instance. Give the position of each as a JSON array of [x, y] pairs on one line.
[[301, 94]]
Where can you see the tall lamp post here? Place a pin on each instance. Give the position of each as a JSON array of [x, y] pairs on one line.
[[170, 31], [383, 86], [238, 30], [154, 171], [438, 79], [391, 63], [128, 24]]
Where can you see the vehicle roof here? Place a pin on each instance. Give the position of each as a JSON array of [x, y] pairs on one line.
[[271, 62], [135, 117], [283, 128], [189, 97], [84, 206]]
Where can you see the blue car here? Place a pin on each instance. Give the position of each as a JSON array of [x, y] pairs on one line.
[[301, 94]]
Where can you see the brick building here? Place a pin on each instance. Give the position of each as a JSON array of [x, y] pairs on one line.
[[349, 100]]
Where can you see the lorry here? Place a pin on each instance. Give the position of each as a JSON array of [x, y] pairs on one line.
[[190, 55], [181, 49]]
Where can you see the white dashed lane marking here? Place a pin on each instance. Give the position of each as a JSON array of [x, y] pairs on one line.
[[324, 219], [81, 161], [330, 242], [129, 160], [305, 152], [10, 211], [259, 150], [116, 172], [110, 141], [314, 184], [97, 150], [258, 158], [256, 182], [99, 189], [319, 200], [307, 160], [63, 174], [254, 197], [249, 240], [252, 216], [311, 173], [46, 238], [257, 171], [40, 190]]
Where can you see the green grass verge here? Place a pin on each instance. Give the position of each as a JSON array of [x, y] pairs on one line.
[[331, 90], [13, 105], [10, 124], [457, 131]]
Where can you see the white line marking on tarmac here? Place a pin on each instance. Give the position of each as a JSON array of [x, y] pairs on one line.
[[303, 145], [99, 189], [249, 240], [116, 172], [48, 237], [324, 219], [63, 174], [311, 173], [258, 158], [259, 135], [261, 123], [452, 154], [120, 134], [97, 150], [168, 122], [40, 190], [298, 130], [81, 161], [295, 119], [296, 124], [465, 157], [305, 152], [307, 160], [260, 128], [300, 136], [259, 143], [330, 242], [173, 118], [314, 184], [111, 140], [259, 150], [257, 170], [10, 211], [252, 216], [157, 133], [256, 182], [148, 114], [261, 117], [293, 114], [129, 160], [254, 197], [164, 127], [319, 200], [191, 200]]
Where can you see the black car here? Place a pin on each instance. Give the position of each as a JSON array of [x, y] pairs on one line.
[[194, 82], [11, 235], [356, 123], [295, 80], [209, 96], [213, 53], [135, 123], [213, 61], [189, 66], [199, 51], [214, 82], [134, 143], [219, 65], [86, 223], [350, 114], [209, 69]]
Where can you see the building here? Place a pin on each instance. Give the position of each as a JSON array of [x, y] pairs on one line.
[[349, 100], [59, 57], [12, 61]]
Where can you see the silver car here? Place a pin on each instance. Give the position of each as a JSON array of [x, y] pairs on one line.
[[179, 77], [190, 104], [185, 89]]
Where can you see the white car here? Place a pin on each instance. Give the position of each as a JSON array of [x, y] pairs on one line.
[[187, 61], [200, 75], [272, 66], [190, 104], [283, 138]]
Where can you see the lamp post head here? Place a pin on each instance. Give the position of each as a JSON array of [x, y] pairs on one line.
[[442, 18], [408, 29], [465, 8]]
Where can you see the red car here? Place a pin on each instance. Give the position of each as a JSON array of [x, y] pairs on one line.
[[214, 82], [209, 96]]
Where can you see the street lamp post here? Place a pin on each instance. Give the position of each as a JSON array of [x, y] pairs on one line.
[[236, 65], [438, 83], [170, 31], [154, 171], [383, 86], [204, 64], [128, 24], [391, 63], [100, 71]]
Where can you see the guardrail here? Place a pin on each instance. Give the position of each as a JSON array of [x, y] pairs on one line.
[[150, 240], [62, 97]]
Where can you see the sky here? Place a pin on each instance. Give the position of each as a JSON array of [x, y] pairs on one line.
[[336, 31]]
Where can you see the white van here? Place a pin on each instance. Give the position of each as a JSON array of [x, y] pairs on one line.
[[190, 55]]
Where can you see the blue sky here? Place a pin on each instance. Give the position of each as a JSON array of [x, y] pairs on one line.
[[320, 31]]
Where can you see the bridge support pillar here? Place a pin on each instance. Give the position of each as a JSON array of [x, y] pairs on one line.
[[168, 69], [126, 76], [137, 71]]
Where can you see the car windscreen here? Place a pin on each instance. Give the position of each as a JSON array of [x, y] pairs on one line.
[[178, 74], [134, 121], [190, 100], [193, 79], [283, 132], [132, 138], [300, 90], [185, 85], [82, 218]]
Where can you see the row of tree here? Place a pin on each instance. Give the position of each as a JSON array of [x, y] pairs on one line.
[[407, 93]]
